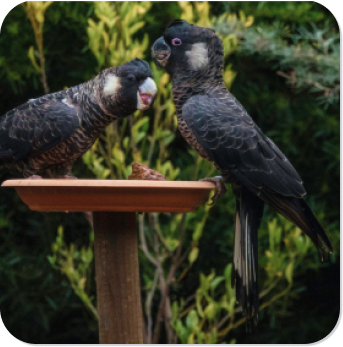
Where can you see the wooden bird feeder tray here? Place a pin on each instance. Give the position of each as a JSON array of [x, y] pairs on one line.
[[114, 203], [53, 195]]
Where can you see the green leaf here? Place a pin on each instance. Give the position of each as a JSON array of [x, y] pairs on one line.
[[198, 298], [175, 308], [197, 232], [192, 321], [171, 243], [216, 282], [204, 283], [289, 272], [210, 311], [184, 333], [31, 55], [136, 27], [190, 340], [193, 255], [51, 259], [227, 273]]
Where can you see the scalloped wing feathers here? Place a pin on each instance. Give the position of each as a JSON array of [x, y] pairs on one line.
[[233, 141], [37, 126]]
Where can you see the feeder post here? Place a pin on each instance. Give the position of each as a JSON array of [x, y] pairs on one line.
[[117, 277]]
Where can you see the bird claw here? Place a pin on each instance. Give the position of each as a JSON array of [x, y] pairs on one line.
[[220, 188]]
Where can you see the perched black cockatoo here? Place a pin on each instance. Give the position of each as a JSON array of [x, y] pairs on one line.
[[217, 126], [44, 136]]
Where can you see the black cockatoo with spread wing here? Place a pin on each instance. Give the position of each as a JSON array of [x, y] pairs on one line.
[[44, 136], [218, 127]]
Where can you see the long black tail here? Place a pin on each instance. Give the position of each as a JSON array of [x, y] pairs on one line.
[[298, 212], [249, 211]]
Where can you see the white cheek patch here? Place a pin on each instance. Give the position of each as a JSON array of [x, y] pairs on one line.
[[198, 56], [112, 85]]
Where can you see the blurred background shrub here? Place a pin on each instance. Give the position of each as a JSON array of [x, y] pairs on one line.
[[282, 63]]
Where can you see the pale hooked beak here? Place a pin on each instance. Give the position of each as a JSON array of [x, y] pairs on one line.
[[160, 52], [146, 94]]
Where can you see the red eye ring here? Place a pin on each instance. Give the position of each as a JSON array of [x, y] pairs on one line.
[[176, 42]]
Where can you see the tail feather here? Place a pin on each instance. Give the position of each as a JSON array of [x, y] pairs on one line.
[[249, 211], [298, 212]]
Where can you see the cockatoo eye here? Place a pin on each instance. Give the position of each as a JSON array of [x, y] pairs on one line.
[[131, 78], [176, 42]]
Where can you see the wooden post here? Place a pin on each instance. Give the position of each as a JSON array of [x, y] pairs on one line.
[[117, 277]]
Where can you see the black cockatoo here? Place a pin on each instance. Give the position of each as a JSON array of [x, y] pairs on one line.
[[217, 126], [44, 136]]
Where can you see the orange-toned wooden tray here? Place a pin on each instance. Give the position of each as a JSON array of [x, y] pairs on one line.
[[111, 195]]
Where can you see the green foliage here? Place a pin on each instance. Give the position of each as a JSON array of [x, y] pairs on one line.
[[36, 13], [211, 315], [204, 319], [110, 38], [309, 57], [296, 13], [76, 265], [281, 62]]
